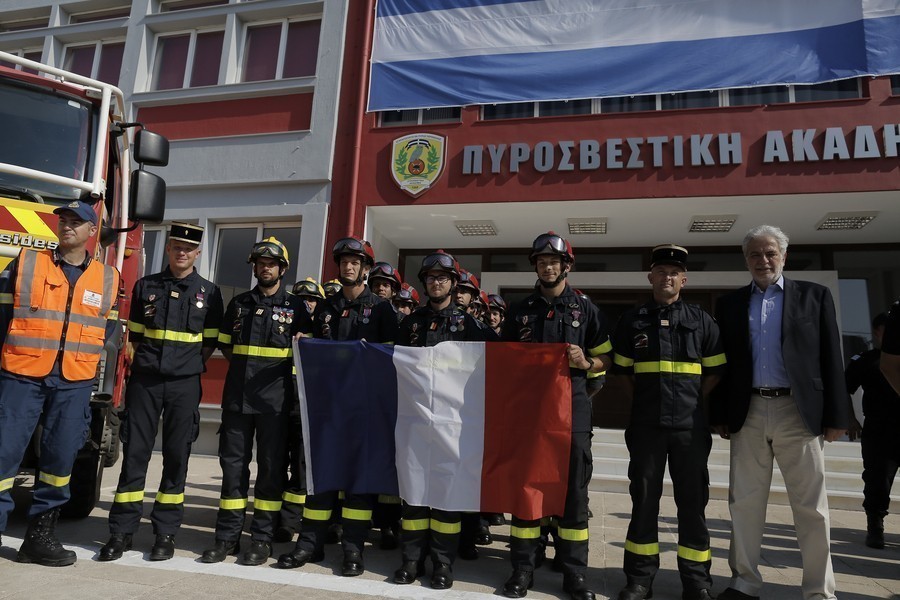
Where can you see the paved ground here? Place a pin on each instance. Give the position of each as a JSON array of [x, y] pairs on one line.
[[862, 573]]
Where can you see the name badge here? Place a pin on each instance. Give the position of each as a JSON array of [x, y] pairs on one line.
[[91, 299]]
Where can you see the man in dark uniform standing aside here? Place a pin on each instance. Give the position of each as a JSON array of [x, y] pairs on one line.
[[173, 326], [555, 313], [256, 336], [353, 314], [427, 530], [668, 353], [59, 307]]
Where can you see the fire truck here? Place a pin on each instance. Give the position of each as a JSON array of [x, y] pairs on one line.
[[67, 137]]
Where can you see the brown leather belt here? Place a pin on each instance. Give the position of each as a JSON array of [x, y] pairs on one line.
[[771, 392]]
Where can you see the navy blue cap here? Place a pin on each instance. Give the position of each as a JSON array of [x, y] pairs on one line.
[[84, 210], [669, 254]]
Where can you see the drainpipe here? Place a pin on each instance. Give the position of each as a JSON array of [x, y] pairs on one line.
[[360, 115]]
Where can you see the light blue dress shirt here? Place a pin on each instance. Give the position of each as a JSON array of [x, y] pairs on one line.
[[766, 310]]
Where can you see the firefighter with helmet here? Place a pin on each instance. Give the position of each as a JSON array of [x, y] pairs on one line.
[[438, 321], [496, 312], [173, 329], [294, 496], [310, 291], [555, 313], [256, 337], [384, 280], [353, 314], [406, 301], [52, 337], [331, 287], [466, 290]]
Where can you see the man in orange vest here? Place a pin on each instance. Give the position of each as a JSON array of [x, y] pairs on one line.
[[58, 308]]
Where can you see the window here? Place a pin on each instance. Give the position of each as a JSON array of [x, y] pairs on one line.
[[154, 243], [34, 55], [424, 116], [188, 60], [689, 100], [233, 244], [834, 90], [895, 85], [117, 12], [102, 60], [173, 5], [563, 108], [516, 110], [281, 50], [627, 104], [772, 94], [39, 22]]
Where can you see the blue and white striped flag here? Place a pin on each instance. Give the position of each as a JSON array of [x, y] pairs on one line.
[[433, 53]]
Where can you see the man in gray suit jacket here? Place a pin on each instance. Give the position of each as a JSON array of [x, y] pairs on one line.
[[782, 396]]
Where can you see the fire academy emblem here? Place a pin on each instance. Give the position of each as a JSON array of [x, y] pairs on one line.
[[417, 160]]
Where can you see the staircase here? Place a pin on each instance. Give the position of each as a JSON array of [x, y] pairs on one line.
[[843, 471]]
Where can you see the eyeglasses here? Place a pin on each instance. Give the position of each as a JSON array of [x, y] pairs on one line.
[[442, 279]]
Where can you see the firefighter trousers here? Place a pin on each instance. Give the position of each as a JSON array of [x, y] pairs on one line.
[[572, 531], [236, 437], [147, 397], [356, 518], [881, 459], [687, 452], [428, 531], [65, 416], [294, 496]]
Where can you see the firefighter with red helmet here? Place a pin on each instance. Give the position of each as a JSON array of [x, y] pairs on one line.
[[173, 327], [496, 312], [427, 530], [406, 301], [555, 313], [354, 314], [466, 290], [255, 337], [384, 280]]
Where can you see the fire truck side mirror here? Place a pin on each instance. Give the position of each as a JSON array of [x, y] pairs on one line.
[[151, 149], [148, 197]]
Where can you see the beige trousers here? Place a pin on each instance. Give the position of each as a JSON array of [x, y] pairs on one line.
[[774, 429]]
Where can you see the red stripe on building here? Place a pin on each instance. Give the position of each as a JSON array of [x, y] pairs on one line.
[[528, 429], [271, 114]]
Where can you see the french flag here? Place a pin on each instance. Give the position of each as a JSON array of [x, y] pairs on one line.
[[464, 426], [436, 53]]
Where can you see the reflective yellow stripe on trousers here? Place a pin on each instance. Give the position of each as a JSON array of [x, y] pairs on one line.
[[525, 533], [294, 498], [642, 549], [573, 535], [125, 497], [445, 528], [694, 555], [316, 515], [164, 498], [355, 514], [232, 503], [54, 480], [414, 524]]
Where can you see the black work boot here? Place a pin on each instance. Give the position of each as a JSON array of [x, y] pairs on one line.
[[41, 546], [518, 584], [353, 564], [258, 553], [875, 531], [576, 587], [635, 591], [116, 546], [163, 548], [408, 572], [299, 557], [442, 577], [222, 549]]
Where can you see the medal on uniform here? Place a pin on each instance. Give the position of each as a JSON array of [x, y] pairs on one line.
[[366, 312], [576, 314], [152, 297], [280, 329], [453, 328], [199, 298], [326, 317], [274, 316]]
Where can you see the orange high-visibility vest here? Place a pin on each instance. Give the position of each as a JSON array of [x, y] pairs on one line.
[[49, 317]]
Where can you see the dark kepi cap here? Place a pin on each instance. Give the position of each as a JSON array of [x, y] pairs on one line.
[[185, 232], [84, 210], [669, 254]]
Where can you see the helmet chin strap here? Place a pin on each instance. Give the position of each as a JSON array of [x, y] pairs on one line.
[[352, 282]]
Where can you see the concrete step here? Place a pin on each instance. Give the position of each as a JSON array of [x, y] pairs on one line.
[[843, 469]]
